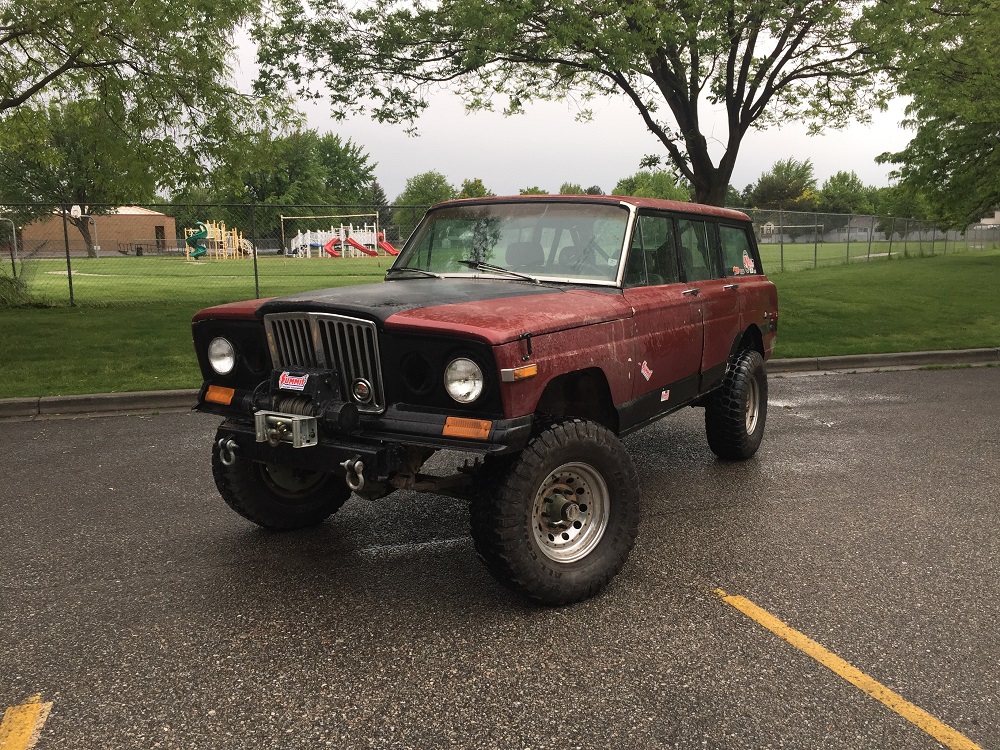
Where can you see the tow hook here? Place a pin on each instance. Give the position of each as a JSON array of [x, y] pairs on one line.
[[354, 470], [227, 451]]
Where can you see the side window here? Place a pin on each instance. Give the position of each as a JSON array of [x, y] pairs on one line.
[[695, 250], [652, 258], [737, 256]]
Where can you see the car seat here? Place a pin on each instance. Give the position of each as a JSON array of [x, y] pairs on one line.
[[525, 255]]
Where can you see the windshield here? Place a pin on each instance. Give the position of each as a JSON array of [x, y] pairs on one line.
[[539, 239]]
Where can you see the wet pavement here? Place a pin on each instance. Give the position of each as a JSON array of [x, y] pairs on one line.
[[152, 616]]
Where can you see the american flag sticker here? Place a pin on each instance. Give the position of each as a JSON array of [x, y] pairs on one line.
[[646, 371], [665, 395]]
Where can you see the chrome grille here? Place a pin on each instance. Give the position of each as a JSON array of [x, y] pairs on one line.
[[333, 342]]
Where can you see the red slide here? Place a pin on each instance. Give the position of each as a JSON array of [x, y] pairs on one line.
[[387, 247], [329, 247], [358, 246]]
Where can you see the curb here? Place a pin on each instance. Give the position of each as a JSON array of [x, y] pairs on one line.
[[885, 361], [144, 402], [95, 404]]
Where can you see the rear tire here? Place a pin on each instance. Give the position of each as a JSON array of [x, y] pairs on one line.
[[278, 497], [736, 413], [558, 521]]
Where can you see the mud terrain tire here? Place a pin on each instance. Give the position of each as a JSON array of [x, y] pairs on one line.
[[735, 414], [557, 522]]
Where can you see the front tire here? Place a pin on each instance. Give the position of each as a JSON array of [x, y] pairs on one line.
[[735, 414], [558, 521], [275, 496]]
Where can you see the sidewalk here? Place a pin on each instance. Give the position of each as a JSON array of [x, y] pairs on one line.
[[145, 402]]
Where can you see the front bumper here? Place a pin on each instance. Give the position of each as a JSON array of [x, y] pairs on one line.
[[381, 442]]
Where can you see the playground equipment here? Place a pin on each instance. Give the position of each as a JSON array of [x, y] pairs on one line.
[[346, 240], [341, 240], [214, 237], [386, 245], [195, 241]]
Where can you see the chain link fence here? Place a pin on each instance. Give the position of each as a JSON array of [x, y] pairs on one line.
[[208, 254], [793, 240]]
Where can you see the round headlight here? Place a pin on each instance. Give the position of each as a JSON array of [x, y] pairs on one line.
[[221, 356], [463, 380]]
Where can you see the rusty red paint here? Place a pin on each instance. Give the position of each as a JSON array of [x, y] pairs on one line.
[[244, 310], [499, 321]]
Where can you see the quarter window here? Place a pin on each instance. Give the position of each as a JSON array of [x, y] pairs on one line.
[[737, 255]]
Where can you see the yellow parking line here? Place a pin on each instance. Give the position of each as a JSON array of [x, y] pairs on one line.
[[21, 725], [913, 714]]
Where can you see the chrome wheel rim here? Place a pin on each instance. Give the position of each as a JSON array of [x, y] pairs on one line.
[[570, 512], [752, 413]]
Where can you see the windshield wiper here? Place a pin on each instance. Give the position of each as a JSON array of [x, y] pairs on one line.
[[403, 269], [480, 266]]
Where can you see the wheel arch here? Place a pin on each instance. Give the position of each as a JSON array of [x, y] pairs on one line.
[[585, 394], [750, 339]]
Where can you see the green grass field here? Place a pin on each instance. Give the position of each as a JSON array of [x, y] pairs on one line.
[[131, 328], [795, 257], [122, 280]]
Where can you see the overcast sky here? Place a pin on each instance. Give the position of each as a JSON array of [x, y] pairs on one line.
[[546, 146]]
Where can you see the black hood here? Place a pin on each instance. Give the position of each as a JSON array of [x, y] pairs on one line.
[[380, 301]]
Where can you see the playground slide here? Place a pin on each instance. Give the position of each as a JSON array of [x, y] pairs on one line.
[[197, 241], [358, 246], [330, 247], [385, 245]]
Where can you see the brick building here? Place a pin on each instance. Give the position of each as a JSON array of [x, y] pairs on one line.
[[128, 230]]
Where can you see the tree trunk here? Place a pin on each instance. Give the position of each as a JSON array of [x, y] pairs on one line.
[[83, 225]]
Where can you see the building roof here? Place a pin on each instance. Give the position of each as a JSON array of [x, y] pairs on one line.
[[137, 211]]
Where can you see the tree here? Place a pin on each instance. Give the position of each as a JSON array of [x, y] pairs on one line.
[[844, 193], [947, 62], [534, 190], [348, 170], [789, 185], [301, 168], [474, 189], [734, 199], [421, 191], [96, 154], [571, 188], [380, 204], [763, 63], [897, 202], [158, 54], [652, 184], [426, 189]]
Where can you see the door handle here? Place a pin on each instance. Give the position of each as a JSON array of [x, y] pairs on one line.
[[694, 291], [731, 286]]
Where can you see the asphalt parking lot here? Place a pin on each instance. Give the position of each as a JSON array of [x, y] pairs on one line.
[[151, 616]]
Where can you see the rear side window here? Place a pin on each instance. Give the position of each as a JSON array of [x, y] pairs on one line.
[[737, 253], [695, 250], [652, 258]]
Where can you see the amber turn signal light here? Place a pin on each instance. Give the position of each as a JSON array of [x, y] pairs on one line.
[[474, 429], [513, 374], [219, 395]]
